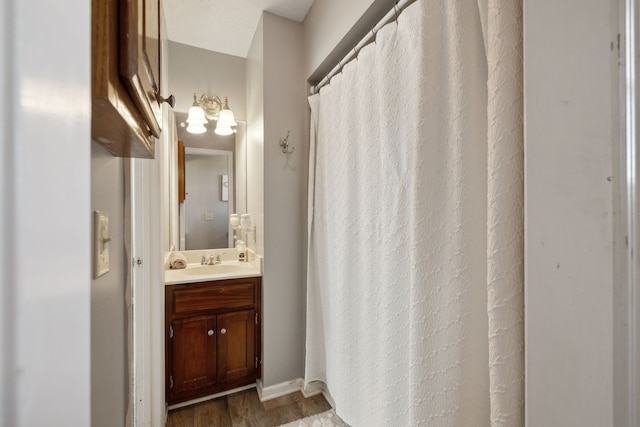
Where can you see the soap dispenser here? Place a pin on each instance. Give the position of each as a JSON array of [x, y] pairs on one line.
[[242, 251]]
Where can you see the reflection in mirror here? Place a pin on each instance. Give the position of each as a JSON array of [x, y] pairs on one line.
[[203, 218], [204, 215]]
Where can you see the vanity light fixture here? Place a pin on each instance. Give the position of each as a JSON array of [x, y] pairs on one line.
[[210, 108]]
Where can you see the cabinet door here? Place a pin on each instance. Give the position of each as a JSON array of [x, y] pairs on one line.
[[236, 346], [193, 354], [116, 122], [140, 57]]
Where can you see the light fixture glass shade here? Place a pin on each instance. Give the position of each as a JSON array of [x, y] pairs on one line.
[[196, 128], [196, 120], [223, 129], [196, 115], [226, 118]]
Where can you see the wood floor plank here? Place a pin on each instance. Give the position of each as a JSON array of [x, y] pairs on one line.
[[281, 401], [284, 414], [214, 413], [312, 405], [245, 410], [182, 417]]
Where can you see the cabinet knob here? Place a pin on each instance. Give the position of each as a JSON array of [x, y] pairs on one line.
[[171, 100], [223, 331], [210, 332]]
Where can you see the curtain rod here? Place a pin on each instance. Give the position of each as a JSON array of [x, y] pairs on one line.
[[391, 16]]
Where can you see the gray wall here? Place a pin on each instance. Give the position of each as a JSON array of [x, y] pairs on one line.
[[277, 189], [570, 99], [285, 199], [192, 69], [326, 24], [109, 371]]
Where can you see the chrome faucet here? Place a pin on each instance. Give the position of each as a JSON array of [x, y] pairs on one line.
[[213, 260]]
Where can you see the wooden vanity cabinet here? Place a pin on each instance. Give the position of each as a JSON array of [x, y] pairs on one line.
[[212, 337]]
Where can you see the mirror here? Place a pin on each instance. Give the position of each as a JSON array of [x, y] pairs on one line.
[[208, 202], [215, 186], [194, 70]]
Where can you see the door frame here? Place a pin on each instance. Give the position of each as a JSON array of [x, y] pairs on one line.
[[146, 314], [139, 321], [626, 293]]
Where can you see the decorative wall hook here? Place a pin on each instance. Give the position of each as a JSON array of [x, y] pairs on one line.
[[284, 144]]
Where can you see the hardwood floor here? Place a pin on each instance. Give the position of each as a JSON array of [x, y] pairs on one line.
[[244, 409]]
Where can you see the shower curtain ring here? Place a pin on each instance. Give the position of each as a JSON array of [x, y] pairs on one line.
[[373, 32]]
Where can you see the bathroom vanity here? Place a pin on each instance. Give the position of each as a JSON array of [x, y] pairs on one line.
[[213, 331]]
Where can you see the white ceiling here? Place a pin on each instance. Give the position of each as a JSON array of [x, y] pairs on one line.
[[225, 26]]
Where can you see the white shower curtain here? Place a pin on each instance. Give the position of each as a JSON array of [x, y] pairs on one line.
[[414, 294]]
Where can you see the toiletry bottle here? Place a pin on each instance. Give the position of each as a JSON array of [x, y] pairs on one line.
[[242, 251]]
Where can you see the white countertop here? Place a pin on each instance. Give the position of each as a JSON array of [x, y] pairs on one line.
[[229, 268]]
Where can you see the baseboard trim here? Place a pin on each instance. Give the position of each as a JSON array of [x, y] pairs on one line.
[[278, 390], [313, 388], [210, 397], [288, 387]]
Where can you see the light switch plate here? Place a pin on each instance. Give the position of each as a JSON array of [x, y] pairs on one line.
[[225, 188], [101, 246], [208, 216]]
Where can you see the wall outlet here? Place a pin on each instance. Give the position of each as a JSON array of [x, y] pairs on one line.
[[208, 216], [101, 244]]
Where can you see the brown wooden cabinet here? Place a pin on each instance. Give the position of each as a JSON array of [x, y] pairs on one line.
[[212, 337], [126, 111], [193, 347]]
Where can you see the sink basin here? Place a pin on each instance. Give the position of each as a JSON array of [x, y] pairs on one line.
[[228, 269], [206, 270]]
